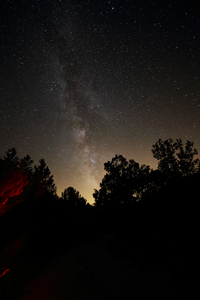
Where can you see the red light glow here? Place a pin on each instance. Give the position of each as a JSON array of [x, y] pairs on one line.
[[4, 272], [12, 185]]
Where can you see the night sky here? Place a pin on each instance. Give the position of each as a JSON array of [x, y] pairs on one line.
[[82, 81]]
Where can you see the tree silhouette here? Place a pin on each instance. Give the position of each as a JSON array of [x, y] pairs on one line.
[[73, 197], [43, 179], [18, 175], [11, 159], [124, 182], [13, 178], [165, 153], [173, 159], [187, 164], [27, 164], [12, 184]]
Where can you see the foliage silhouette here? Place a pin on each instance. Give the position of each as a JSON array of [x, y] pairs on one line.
[[43, 179], [13, 180], [73, 197], [164, 225], [19, 181], [11, 158], [27, 165], [173, 159], [12, 185], [124, 182]]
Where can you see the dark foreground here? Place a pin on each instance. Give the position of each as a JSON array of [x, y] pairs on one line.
[[148, 250], [95, 270]]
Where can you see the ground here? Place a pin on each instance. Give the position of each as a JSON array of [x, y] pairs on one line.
[[91, 271]]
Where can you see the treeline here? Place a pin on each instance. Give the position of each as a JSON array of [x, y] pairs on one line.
[[154, 213], [35, 224], [20, 181], [126, 181], [33, 216]]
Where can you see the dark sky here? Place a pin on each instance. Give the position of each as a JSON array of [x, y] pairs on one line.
[[82, 81]]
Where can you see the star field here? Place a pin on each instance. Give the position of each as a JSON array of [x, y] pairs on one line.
[[81, 81]]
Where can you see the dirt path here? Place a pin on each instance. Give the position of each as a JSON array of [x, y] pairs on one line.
[[91, 272]]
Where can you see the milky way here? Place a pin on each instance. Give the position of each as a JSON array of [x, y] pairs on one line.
[[81, 81]]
